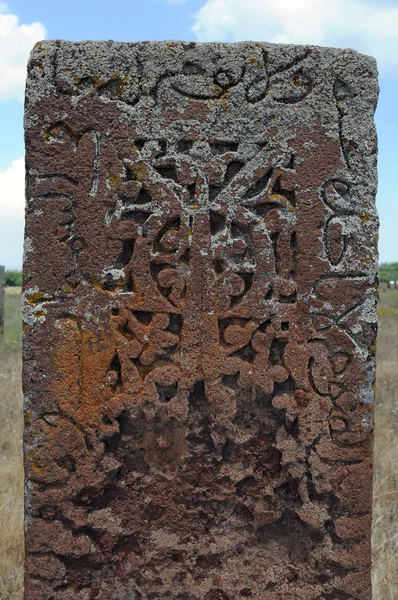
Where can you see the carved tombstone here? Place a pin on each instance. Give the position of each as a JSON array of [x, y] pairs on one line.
[[200, 320], [2, 286]]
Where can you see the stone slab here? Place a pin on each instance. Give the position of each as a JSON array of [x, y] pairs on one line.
[[200, 320]]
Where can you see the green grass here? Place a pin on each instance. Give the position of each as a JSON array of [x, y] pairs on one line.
[[12, 337], [388, 298]]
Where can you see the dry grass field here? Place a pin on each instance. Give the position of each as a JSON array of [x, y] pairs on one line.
[[385, 531], [385, 489], [11, 470]]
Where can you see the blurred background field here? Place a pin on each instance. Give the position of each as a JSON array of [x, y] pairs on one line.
[[385, 489], [11, 469], [385, 529]]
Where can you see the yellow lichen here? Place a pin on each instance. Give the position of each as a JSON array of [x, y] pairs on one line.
[[39, 46], [39, 313], [114, 180], [36, 469], [365, 217], [96, 284], [35, 297]]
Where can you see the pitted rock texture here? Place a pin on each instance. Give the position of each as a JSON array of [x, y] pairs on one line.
[[200, 320]]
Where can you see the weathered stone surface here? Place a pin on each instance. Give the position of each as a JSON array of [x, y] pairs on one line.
[[200, 317]]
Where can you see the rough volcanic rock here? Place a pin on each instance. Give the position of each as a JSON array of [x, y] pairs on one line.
[[200, 319]]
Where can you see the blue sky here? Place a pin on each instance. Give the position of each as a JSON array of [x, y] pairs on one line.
[[370, 26]]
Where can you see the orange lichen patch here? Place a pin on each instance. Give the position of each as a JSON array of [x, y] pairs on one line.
[[34, 466], [140, 172], [117, 80], [39, 313], [114, 180], [82, 357], [96, 283], [39, 46], [67, 365], [365, 217], [36, 469], [35, 297], [53, 133], [257, 61], [67, 288]]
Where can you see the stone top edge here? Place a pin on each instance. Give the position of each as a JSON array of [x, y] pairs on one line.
[[184, 45]]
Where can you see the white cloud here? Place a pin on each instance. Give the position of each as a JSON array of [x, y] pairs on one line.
[[16, 42], [12, 191], [369, 28]]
